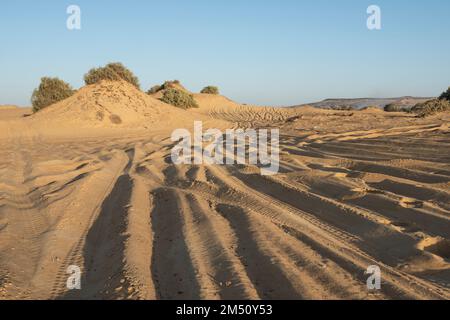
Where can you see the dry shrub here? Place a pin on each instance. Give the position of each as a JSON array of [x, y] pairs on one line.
[[431, 107], [210, 90], [50, 91], [113, 72], [166, 85], [394, 108], [179, 99]]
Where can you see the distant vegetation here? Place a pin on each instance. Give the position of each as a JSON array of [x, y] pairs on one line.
[[50, 91], [445, 95], [179, 99], [434, 106], [392, 107], [370, 108], [341, 108], [112, 71], [164, 86], [210, 90]]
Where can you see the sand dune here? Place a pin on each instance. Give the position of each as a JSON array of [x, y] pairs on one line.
[[355, 189]]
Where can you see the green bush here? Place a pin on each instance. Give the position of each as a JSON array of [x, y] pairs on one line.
[[210, 90], [431, 107], [179, 99], [112, 71], [50, 91], [445, 95]]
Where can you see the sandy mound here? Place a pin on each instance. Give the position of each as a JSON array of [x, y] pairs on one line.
[[109, 104], [212, 101]]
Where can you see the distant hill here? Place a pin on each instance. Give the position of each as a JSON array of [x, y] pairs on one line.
[[360, 103]]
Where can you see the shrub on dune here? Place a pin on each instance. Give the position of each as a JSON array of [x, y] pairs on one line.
[[112, 71], [154, 89], [210, 90], [431, 107], [166, 85], [170, 84], [179, 99], [50, 91]]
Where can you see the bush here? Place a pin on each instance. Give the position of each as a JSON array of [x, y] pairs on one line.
[[166, 85], [342, 108], [210, 90], [431, 107], [50, 91], [393, 108], [445, 95], [369, 108], [170, 84], [179, 99], [112, 71], [154, 89]]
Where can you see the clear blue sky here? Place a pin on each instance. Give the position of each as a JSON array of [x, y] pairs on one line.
[[273, 52]]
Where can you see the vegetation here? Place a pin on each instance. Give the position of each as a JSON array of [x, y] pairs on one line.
[[342, 108], [112, 71], [392, 107], [154, 89], [179, 99], [210, 90], [164, 86], [50, 91], [431, 107], [370, 108], [445, 95]]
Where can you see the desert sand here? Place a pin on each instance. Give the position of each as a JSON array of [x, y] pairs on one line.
[[89, 182]]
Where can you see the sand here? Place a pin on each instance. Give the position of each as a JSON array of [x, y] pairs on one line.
[[360, 188]]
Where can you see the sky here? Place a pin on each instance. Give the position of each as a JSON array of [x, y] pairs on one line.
[[268, 52]]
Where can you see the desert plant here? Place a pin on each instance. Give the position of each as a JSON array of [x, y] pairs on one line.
[[431, 107], [445, 95], [210, 90], [372, 107], [342, 108], [50, 91], [166, 85], [112, 71], [393, 108], [154, 89], [170, 84], [179, 99]]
